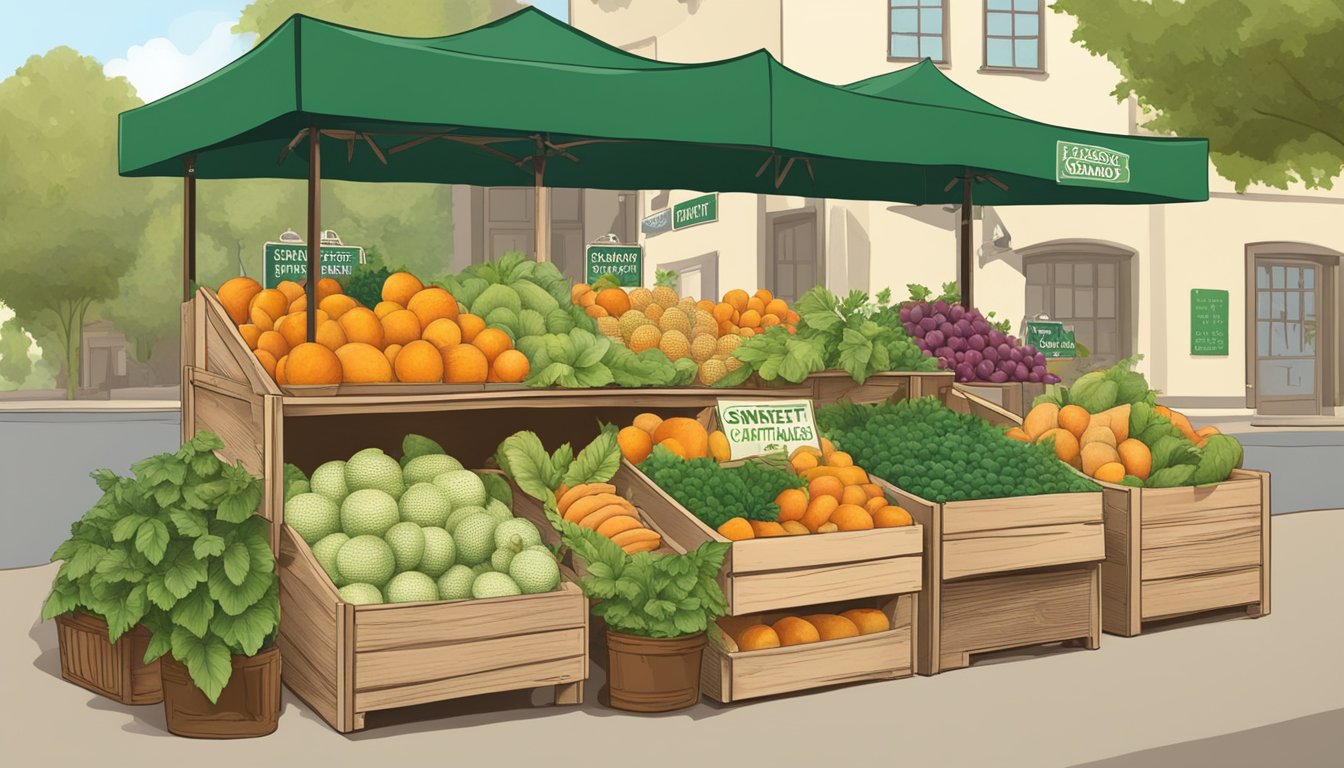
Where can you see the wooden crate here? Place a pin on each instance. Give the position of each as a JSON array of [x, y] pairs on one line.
[[347, 660], [1013, 396], [728, 675], [834, 386], [1005, 573], [787, 571]]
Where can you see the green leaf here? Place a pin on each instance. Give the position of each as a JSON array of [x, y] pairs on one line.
[[207, 660], [158, 593], [1219, 456], [237, 562], [160, 637], [183, 572], [525, 459], [593, 376], [240, 505], [166, 495], [497, 487], [415, 446], [117, 565], [236, 598], [1172, 451], [86, 558], [596, 463], [856, 350], [127, 526], [152, 540], [1171, 477], [194, 611], [105, 478], [123, 614], [247, 631], [207, 546], [735, 378], [63, 599]]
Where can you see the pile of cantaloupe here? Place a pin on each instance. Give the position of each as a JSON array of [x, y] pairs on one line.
[[1098, 444], [813, 628]]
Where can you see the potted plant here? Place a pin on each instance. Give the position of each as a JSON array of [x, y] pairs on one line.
[[102, 642]]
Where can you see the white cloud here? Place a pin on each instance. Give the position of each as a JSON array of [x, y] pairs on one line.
[[159, 67]]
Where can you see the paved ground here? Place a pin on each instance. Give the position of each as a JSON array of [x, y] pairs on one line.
[[1201, 680]]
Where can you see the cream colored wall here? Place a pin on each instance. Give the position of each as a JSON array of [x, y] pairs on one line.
[[686, 30], [733, 237]]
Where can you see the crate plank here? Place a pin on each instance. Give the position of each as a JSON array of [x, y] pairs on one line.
[[310, 611], [1001, 612], [1020, 512], [409, 625], [237, 422], [809, 586], [407, 666], [1217, 524], [1202, 592], [530, 675], [772, 554], [973, 554], [1179, 505], [1235, 549]]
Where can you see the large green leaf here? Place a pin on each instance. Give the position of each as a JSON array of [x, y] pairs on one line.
[[127, 526], [194, 611], [247, 631], [123, 614], [118, 565], [151, 539], [158, 594], [63, 599], [207, 546], [85, 559], [183, 572], [189, 522], [236, 598], [237, 562], [596, 463], [207, 660]]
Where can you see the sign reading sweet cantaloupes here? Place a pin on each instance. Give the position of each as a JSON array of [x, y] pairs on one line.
[[759, 427]]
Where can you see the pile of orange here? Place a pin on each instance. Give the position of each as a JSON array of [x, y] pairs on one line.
[[746, 315], [838, 497], [685, 437], [415, 334], [813, 628]]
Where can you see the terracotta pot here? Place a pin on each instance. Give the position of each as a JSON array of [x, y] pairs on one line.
[[249, 705], [115, 670], [649, 674]]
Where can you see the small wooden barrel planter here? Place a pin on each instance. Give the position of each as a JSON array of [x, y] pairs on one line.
[[1005, 573], [248, 707], [346, 660], [115, 670], [730, 675]]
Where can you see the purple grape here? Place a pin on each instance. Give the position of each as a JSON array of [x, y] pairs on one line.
[[965, 372], [991, 354], [996, 337], [947, 328], [1021, 373], [934, 338], [1051, 378], [980, 326], [1030, 349], [998, 377], [905, 315], [928, 324], [917, 313], [976, 342], [1015, 355], [917, 332], [973, 357], [945, 352], [1033, 377], [962, 327], [956, 343], [1039, 370], [940, 307], [1007, 366], [959, 356], [957, 312], [984, 369]]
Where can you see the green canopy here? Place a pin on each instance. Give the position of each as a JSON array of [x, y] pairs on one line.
[[475, 108]]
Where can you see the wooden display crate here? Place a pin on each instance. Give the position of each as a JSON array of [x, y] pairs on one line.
[[787, 571], [1006, 573], [728, 675], [1013, 396], [347, 660], [834, 386]]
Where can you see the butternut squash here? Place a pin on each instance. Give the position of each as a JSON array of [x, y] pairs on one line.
[[563, 501], [621, 524], [599, 516], [589, 504], [626, 538]]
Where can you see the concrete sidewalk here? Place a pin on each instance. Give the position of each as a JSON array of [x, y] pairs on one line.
[[1201, 680]]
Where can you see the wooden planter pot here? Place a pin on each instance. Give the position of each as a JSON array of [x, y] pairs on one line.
[[647, 674], [115, 670], [346, 660], [248, 707], [1006, 573]]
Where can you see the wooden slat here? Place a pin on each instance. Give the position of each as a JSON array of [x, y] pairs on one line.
[[1177, 505], [1265, 524], [929, 517], [1189, 594], [216, 383], [972, 554], [412, 666], [309, 646], [756, 592], [1228, 522], [237, 422], [388, 627], [526, 675], [1020, 512], [227, 352], [1235, 549], [1012, 611], [187, 336], [780, 552], [1120, 572]]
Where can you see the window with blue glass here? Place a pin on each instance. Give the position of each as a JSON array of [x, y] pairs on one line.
[[918, 30], [1013, 34]]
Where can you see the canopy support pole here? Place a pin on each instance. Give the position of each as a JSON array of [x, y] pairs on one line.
[[543, 209], [967, 267], [188, 226], [314, 227]]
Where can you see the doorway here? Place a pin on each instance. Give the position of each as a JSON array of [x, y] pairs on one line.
[[506, 221], [794, 263], [1291, 329]]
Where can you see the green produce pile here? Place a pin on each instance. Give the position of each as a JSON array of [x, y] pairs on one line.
[[420, 529], [940, 455], [855, 334], [716, 493]]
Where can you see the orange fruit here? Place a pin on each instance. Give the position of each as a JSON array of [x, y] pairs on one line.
[[769, 320], [1136, 457], [441, 333], [386, 308], [1075, 419], [290, 289], [311, 363], [390, 352], [736, 529], [722, 311], [852, 475], [511, 367], [764, 295], [327, 286], [802, 462], [792, 504], [400, 326], [1066, 445], [595, 311], [330, 335], [464, 364], [1110, 472], [756, 637], [754, 304], [635, 444], [746, 333], [795, 631], [432, 303], [825, 485], [337, 304], [674, 445], [267, 361], [300, 304], [854, 494], [400, 287], [419, 361], [795, 528], [1018, 434], [293, 327], [873, 490], [839, 459], [361, 326], [250, 334], [827, 448], [874, 504], [280, 370], [777, 307], [470, 326], [737, 299], [833, 627], [258, 317], [271, 301], [868, 620], [751, 319], [852, 517], [819, 511], [892, 517], [706, 305], [719, 450], [363, 364], [236, 296], [491, 342], [578, 289], [765, 529], [615, 300], [276, 344], [689, 433], [647, 422]]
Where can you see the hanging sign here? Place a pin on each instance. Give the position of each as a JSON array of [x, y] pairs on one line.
[[1051, 340], [289, 261], [1090, 166], [657, 223], [1208, 321], [758, 427], [626, 262], [697, 210]]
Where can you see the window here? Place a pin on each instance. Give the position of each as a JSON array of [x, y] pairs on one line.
[[918, 30], [1013, 34], [1086, 286]]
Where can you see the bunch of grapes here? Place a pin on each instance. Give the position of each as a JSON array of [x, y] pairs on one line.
[[963, 340]]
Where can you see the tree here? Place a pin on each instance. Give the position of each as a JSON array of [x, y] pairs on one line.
[[69, 226], [15, 365], [408, 18], [1263, 81]]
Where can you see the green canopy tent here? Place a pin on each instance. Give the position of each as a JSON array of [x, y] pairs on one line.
[[528, 100]]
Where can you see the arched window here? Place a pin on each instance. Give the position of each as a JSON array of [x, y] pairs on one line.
[[1084, 284]]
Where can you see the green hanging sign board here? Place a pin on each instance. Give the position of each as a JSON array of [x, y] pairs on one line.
[[1051, 340], [1208, 322]]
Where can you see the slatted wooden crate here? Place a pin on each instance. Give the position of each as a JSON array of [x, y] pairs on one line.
[[115, 670], [834, 386], [728, 674], [1012, 396], [1006, 573], [347, 660]]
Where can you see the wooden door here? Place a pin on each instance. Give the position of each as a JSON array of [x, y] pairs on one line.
[[794, 264], [1286, 347]]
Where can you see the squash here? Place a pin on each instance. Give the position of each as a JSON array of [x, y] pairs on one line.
[[620, 524], [597, 517], [1096, 454], [589, 504], [1136, 458], [626, 538], [564, 500], [1098, 433], [1018, 434], [1066, 445], [1110, 472], [1040, 419]]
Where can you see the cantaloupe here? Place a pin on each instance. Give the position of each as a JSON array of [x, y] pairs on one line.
[[832, 627]]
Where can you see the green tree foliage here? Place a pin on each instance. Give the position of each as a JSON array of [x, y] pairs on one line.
[[1264, 81], [409, 18], [69, 226], [14, 362]]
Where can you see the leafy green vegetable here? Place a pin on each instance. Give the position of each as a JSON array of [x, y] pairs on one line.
[[597, 462], [296, 481], [414, 446], [1217, 458], [1171, 477], [715, 493], [1094, 392], [523, 458], [1171, 451], [497, 487]]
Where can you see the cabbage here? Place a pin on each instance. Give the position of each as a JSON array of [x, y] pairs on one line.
[[497, 297]]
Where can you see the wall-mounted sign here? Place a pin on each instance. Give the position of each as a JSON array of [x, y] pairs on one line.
[[656, 224], [626, 262], [289, 261], [758, 427], [1208, 321], [1050, 338], [1090, 166], [697, 210]]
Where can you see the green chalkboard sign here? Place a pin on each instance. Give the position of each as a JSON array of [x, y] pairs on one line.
[[1208, 321], [626, 262], [1051, 340]]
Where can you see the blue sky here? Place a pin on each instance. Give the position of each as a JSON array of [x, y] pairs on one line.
[[160, 45]]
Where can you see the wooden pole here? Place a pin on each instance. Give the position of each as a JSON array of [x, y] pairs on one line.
[[543, 210], [314, 227], [188, 226], [967, 268]]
